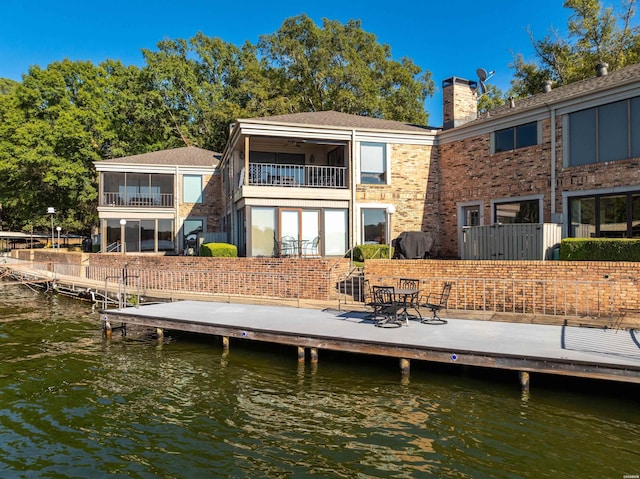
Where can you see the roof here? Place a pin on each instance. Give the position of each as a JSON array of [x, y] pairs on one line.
[[337, 119], [616, 78], [185, 156]]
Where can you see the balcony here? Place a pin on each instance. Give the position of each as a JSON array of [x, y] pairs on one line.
[[296, 176], [138, 200]]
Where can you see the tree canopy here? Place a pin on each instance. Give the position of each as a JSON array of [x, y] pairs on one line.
[[60, 119], [595, 34]]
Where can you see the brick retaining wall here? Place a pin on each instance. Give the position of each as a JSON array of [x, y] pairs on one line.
[[540, 287], [306, 278]]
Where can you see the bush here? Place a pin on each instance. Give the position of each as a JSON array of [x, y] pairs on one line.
[[599, 249], [219, 250], [370, 251]]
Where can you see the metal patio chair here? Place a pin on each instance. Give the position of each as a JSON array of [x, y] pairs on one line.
[[436, 303]]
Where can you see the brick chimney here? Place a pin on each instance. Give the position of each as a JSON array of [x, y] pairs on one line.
[[459, 102]]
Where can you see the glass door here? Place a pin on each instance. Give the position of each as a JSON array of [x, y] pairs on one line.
[[299, 227]]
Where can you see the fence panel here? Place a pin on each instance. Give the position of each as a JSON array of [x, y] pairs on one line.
[[510, 241]]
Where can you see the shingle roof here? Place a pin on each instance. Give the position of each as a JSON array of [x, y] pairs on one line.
[[344, 120], [185, 156], [615, 78]]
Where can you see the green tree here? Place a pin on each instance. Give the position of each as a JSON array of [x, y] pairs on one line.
[[341, 67], [493, 98], [594, 34]]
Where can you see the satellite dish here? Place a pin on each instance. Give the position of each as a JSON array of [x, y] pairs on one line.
[[483, 76]]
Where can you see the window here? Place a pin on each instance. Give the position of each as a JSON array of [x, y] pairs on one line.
[[604, 133], [192, 189], [137, 189], [165, 235], [605, 216], [263, 231], [516, 137], [374, 226], [373, 163], [524, 211], [335, 228], [470, 215]]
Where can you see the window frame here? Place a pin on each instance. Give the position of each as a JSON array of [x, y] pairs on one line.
[[187, 198], [516, 132], [520, 199], [631, 119], [386, 173], [598, 211]]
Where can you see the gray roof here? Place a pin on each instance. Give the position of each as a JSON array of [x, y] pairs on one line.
[[344, 120], [185, 156], [630, 74]]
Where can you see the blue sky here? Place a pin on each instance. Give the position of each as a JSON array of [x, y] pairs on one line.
[[448, 38]]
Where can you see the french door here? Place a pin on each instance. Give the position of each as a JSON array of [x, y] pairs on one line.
[[301, 225]]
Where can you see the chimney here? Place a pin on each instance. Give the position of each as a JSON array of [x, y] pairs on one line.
[[459, 102], [512, 102], [546, 86], [601, 69]]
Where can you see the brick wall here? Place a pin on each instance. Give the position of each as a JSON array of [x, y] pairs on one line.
[[306, 278], [211, 206], [583, 287], [469, 172], [413, 189]]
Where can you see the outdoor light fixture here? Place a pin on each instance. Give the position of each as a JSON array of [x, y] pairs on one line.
[[58, 228], [51, 211]]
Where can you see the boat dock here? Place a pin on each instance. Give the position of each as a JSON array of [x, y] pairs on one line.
[[596, 353]]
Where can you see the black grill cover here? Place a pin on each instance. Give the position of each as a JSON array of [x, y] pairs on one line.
[[413, 245]]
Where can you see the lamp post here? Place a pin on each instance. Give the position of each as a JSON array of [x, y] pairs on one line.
[[123, 244], [58, 228], [390, 211], [51, 211]]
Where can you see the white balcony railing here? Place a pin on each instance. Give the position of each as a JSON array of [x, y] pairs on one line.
[[138, 200], [307, 176]]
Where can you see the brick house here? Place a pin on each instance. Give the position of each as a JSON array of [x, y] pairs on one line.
[[568, 155], [154, 201], [340, 178]]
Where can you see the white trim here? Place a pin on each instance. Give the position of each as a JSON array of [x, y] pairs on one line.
[[167, 169]]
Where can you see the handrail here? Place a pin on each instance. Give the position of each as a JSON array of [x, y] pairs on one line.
[[308, 176], [113, 247]]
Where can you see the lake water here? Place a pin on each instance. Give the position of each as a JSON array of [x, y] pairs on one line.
[[75, 405]]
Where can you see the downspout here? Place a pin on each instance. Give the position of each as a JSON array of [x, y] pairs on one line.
[[176, 210], [352, 210], [553, 164]]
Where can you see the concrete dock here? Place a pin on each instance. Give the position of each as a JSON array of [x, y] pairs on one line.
[[608, 354]]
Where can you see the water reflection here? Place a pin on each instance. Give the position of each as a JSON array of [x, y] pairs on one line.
[[75, 405]]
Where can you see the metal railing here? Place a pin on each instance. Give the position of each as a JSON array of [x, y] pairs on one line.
[[225, 284], [595, 299], [137, 200], [307, 176]]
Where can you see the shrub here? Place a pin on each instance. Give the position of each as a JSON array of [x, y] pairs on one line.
[[370, 251], [219, 250], [599, 249]]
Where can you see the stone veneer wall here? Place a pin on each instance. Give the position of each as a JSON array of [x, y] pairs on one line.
[[621, 279]]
